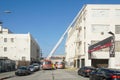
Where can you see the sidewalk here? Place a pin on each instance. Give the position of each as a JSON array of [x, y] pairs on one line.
[[6, 75], [72, 69]]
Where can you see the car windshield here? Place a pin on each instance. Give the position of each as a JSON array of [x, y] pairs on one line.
[[48, 62], [30, 66], [35, 64], [60, 63]]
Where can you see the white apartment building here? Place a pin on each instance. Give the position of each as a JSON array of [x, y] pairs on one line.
[[90, 26], [18, 47]]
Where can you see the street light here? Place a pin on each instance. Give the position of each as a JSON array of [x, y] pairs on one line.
[[112, 47]]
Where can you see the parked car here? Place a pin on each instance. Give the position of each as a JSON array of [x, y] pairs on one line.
[[22, 70], [85, 71], [31, 68], [60, 65], [36, 66], [105, 74], [47, 64]]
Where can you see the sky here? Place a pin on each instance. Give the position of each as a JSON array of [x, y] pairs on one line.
[[45, 20]]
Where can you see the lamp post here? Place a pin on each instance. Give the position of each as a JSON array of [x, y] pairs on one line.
[[112, 51]]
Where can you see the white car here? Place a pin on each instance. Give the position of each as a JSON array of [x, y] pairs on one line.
[[36, 66], [31, 68]]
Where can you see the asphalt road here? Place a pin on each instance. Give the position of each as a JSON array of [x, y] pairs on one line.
[[59, 74]]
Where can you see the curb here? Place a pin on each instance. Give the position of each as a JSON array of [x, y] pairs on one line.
[[6, 77], [72, 69]]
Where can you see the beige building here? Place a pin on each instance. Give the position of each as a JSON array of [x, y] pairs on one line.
[[89, 27], [57, 58], [18, 47]]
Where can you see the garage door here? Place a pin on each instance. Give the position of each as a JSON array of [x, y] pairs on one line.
[[100, 63]]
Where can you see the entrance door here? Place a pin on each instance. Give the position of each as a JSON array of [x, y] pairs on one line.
[[78, 63], [82, 62]]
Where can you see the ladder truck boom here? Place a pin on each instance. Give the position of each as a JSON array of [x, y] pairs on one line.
[[57, 45], [62, 37]]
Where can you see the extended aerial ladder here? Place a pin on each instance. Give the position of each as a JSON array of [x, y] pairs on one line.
[[58, 43], [62, 37]]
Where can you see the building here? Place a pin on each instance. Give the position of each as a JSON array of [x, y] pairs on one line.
[[57, 58], [90, 26], [18, 47]]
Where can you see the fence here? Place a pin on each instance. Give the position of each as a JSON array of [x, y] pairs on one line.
[[6, 64]]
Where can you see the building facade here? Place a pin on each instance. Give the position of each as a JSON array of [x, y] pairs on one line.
[[57, 58], [18, 47], [90, 26]]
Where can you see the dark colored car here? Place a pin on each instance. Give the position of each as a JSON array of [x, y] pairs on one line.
[[22, 70], [105, 74], [85, 71]]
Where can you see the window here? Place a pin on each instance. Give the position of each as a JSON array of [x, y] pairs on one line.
[[5, 49], [5, 39], [117, 46], [117, 29], [23, 58], [12, 39]]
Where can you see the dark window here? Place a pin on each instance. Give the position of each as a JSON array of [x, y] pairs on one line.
[[5, 49], [5, 39], [12, 39], [117, 29], [49, 62]]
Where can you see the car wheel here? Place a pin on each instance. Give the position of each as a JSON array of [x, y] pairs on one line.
[[103, 79]]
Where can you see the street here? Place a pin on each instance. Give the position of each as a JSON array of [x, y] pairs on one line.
[[59, 74]]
